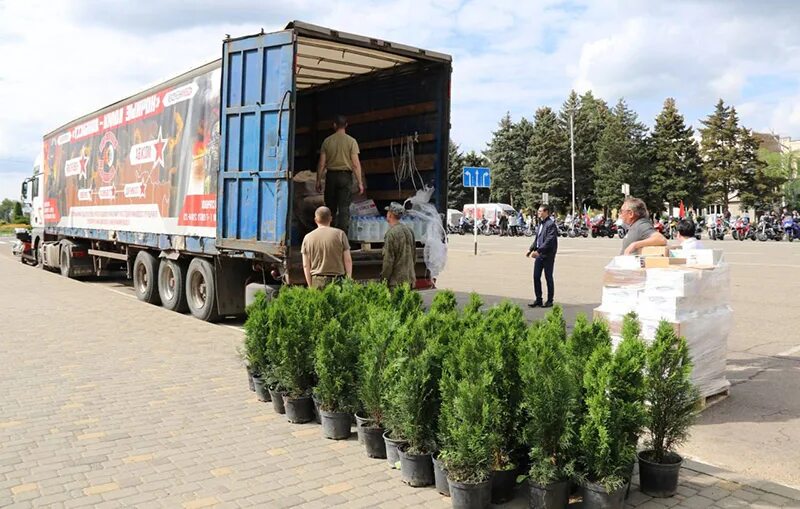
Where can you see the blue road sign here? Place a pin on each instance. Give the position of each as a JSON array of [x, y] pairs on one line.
[[477, 177]]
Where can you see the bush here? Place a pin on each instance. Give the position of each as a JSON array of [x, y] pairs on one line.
[[295, 317], [549, 393], [256, 332], [406, 302], [376, 334], [586, 337], [615, 409], [410, 401], [670, 391], [504, 328], [468, 433], [335, 355], [444, 302]]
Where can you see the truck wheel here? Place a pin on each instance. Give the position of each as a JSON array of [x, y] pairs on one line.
[[64, 264], [145, 283], [172, 285], [201, 290]]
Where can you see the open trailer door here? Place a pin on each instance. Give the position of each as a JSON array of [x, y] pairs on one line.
[[258, 97]]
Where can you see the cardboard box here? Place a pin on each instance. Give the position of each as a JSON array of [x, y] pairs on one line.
[[702, 258], [654, 251], [659, 262]]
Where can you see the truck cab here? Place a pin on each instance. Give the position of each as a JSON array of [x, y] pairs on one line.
[[32, 194]]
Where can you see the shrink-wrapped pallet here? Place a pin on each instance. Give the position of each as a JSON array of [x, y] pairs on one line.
[[693, 298]]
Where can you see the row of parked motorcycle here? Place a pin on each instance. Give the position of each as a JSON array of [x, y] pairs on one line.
[[768, 228]]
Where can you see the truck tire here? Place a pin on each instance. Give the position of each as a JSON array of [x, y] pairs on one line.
[[172, 285], [64, 263], [201, 290], [145, 277]]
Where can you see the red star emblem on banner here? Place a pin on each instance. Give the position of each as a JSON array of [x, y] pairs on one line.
[[159, 144], [83, 160]]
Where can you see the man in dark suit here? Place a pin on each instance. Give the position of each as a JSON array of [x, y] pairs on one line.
[[543, 250]]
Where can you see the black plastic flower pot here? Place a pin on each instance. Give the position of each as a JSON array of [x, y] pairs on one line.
[[277, 401], [551, 496], [250, 377], [440, 477], [360, 421], [597, 497], [374, 442], [262, 392], [336, 425], [317, 416], [299, 410], [471, 496], [503, 484], [659, 480], [416, 470], [392, 454]]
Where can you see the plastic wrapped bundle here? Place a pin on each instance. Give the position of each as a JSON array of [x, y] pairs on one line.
[[707, 338], [433, 235]]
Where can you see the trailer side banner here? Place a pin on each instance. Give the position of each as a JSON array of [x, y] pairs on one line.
[[144, 165]]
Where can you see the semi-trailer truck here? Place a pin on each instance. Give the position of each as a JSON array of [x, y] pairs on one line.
[[191, 186]]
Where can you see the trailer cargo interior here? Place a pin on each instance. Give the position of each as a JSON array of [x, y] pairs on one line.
[[195, 187]]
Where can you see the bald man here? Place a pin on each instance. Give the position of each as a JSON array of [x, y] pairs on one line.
[[326, 252]]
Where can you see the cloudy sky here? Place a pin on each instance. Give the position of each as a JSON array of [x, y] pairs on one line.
[[63, 58]]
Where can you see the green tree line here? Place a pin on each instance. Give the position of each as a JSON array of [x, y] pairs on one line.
[[613, 147]]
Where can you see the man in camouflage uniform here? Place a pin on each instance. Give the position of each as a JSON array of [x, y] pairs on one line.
[[399, 250]]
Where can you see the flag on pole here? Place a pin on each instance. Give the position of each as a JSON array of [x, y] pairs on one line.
[[682, 211]]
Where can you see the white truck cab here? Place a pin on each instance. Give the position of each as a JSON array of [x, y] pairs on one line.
[[33, 198]]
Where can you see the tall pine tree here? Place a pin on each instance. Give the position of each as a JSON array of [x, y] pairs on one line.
[[624, 157], [523, 130], [501, 155], [547, 168], [677, 174], [457, 195], [590, 116], [507, 153], [730, 156]]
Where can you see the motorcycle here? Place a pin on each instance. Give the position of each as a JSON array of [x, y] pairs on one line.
[[742, 230], [562, 228], [602, 227], [699, 227], [766, 229], [716, 230], [791, 228]]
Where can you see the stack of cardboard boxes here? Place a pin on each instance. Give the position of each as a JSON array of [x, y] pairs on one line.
[[689, 289]]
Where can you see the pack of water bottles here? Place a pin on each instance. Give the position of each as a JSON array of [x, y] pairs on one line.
[[374, 228]]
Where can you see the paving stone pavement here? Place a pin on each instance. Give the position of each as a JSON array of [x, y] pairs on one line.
[[109, 402]]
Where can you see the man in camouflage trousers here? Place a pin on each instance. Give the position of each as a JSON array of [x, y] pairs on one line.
[[399, 250]]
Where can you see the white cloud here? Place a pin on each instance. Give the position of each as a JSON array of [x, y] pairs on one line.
[[65, 58]]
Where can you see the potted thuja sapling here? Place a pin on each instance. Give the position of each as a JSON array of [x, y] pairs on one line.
[[408, 306], [671, 411], [253, 350], [504, 329], [614, 391], [296, 328], [375, 298], [336, 355], [467, 425], [375, 337], [411, 402], [549, 394]]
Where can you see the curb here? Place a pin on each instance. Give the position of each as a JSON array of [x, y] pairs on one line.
[[765, 486]]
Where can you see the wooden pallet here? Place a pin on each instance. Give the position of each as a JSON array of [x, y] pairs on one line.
[[712, 400]]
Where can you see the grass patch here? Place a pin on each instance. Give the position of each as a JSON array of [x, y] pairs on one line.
[[8, 229]]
